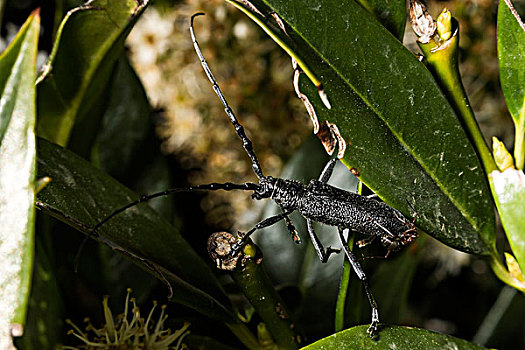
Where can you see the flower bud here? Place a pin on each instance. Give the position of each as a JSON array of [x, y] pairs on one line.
[[444, 24], [421, 21], [502, 157]]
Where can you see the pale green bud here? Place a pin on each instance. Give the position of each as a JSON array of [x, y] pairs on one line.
[[502, 157], [444, 24]]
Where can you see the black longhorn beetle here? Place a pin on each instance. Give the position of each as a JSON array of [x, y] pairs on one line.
[[317, 201]]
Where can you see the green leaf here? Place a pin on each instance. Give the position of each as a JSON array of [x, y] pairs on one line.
[[81, 196], [511, 57], [390, 13], [17, 175], [89, 41], [392, 337], [126, 146], [509, 191], [126, 124], [44, 327], [402, 135]]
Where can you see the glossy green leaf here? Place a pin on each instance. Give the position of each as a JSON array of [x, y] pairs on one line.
[[511, 48], [402, 135], [44, 327], [509, 191], [89, 41], [81, 196], [126, 124], [391, 337], [17, 175], [390, 13], [126, 146]]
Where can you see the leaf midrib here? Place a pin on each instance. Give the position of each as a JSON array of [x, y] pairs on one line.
[[418, 159]]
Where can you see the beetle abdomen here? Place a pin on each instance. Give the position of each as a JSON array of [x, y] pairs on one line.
[[336, 207]]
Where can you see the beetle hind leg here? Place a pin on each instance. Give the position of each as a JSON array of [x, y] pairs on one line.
[[372, 329]]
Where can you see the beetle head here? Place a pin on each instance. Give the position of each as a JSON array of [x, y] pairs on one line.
[[265, 188], [407, 233]]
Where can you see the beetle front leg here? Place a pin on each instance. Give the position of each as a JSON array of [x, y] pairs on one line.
[[243, 236], [361, 274], [291, 228]]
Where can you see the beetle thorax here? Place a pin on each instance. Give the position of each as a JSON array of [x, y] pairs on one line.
[[287, 193]]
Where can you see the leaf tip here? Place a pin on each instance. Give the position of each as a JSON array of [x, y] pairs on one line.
[[35, 15]]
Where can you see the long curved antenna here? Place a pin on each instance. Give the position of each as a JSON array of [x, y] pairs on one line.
[[214, 186], [246, 143]]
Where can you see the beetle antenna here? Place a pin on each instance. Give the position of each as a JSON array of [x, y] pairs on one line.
[[246, 143], [413, 210], [214, 186]]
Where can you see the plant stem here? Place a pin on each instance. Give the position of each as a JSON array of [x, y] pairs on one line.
[[247, 272], [443, 62], [341, 297]]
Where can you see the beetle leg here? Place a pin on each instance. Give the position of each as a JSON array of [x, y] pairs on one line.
[[366, 241], [242, 237], [321, 252], [291, 228], [328, 170], [361, 274]]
